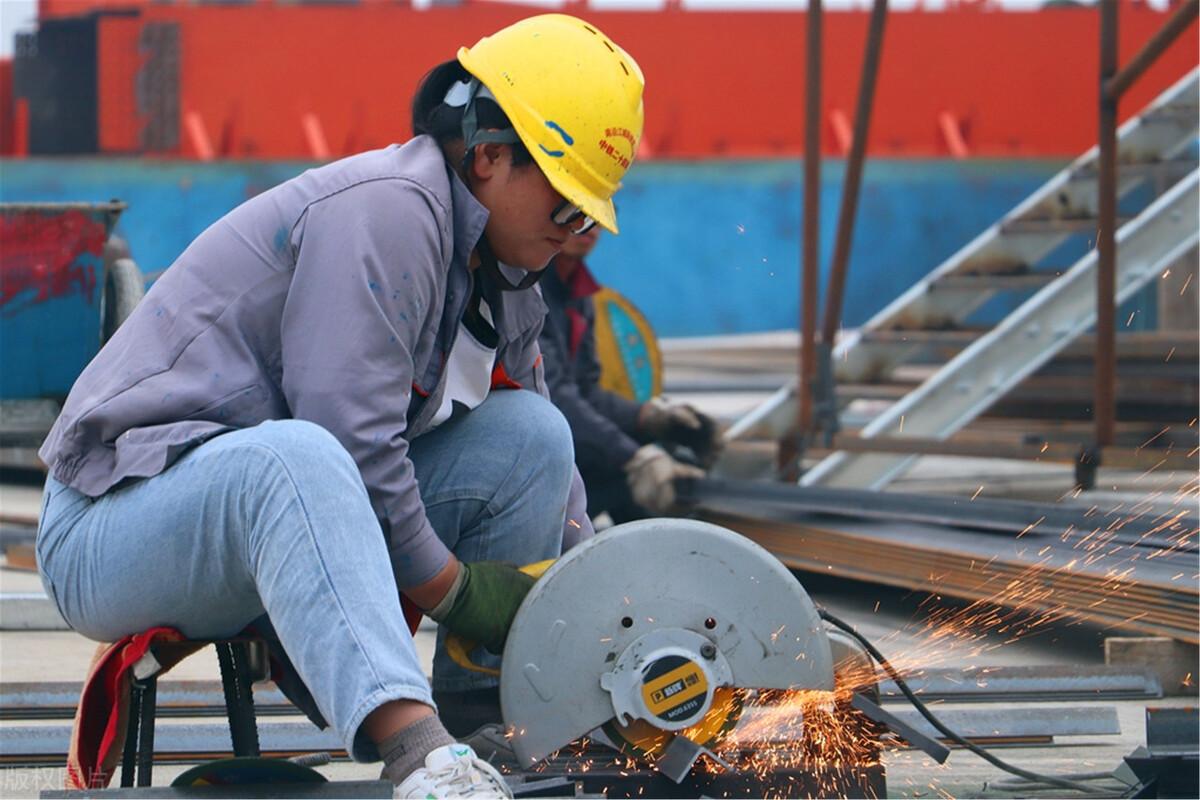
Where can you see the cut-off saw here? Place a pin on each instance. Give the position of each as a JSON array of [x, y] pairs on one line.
[[651, 635]]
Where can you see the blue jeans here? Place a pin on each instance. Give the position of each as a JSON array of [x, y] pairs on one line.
[[275, 519]]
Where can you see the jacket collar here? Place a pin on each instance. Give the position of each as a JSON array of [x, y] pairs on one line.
[[514, 313], [470, 218]]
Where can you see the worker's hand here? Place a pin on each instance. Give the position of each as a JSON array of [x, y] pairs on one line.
[[651, 474], [481, 604], [679, 423]]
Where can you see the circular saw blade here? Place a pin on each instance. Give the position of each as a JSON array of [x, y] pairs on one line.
[[641, 577]]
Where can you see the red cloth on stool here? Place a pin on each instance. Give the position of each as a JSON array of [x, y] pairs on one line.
[[98, 735]]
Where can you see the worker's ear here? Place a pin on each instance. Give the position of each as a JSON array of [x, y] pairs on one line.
[[488, 159]]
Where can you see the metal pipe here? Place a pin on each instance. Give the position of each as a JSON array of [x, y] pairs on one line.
[[812, 217], [835, 291], [790, 447], [1106, 240], [1184, 16]]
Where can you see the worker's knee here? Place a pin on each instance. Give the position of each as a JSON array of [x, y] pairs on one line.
[[294, 456], [538, 432]]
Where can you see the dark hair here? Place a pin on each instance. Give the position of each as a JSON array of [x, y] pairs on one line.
[[432, 117]]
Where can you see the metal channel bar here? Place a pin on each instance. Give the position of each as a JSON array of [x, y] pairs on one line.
[[1013, 723], [1022, 343], [1006, 516]]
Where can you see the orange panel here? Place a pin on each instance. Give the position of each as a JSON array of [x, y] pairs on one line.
[[117, 90], [718, 83], [7, 110]]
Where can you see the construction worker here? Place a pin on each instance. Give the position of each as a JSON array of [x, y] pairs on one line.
[[327, 360], [621, 446]]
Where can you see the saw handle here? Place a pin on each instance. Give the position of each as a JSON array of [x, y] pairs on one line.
[[459, 648]]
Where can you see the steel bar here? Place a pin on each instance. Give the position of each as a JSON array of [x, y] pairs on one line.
[[544, 787], [1106, 235], [25, 744], [29, 611], [1028, 684], [926, 744], [789, 452], [57, 700], [835, 289], [1184, 16], [1007, 722]]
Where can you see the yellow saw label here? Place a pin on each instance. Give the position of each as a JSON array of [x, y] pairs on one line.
[[674, 688]]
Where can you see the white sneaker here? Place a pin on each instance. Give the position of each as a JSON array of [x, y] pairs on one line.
[[452, 771]]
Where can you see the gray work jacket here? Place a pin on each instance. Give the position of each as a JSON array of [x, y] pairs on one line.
[[335, 298]]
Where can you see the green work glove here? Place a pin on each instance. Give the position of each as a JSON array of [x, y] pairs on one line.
[[485, 598]]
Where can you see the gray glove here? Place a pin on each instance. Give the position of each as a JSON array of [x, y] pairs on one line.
[[651, 475]]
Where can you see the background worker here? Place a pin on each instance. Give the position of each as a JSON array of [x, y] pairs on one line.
[[320, 364], [621, 446]]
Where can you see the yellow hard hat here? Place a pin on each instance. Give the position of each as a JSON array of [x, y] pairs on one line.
[[574, 98]]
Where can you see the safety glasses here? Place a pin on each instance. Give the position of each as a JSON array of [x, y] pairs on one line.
[[571, 215]]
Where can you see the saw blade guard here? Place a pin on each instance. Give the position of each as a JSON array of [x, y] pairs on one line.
[[647, 621]]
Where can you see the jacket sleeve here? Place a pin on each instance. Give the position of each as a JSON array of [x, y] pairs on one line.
[[366, 287], [621, 410], [599, 440], [530, 371]]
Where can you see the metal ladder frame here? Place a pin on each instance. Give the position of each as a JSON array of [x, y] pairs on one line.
[[1023, 342], [1004, 248]]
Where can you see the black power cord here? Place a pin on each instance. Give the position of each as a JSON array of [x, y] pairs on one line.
[[924, 711]]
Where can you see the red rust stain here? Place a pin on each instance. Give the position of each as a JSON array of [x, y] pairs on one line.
[[41, 252]]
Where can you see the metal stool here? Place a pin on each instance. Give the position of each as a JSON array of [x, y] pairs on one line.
[[241, 661]]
